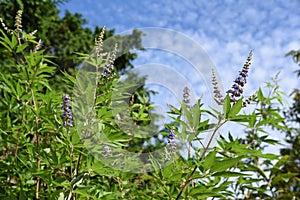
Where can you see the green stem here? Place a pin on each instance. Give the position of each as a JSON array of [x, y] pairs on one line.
[[220, 123], [37, 144]]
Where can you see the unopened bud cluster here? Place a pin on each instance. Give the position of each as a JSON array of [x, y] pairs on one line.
[[186, 97]]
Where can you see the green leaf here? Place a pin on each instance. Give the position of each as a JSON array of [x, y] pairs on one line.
[[251, 167], [230, 137], [6, 41], [196, 116], [260, 95], [236, 108], [6, 46], [175, 177], [226, 106], [284, 177], [167, 171], [188, 114], [225, 164], [227, 174], [209, 160], [269, 156], [21, 47], [280, 162], [240, 118], [202, 192], [252, 120], [14, 42], [271, 141]]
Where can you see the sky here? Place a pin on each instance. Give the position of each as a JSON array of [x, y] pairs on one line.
[[225, 30]]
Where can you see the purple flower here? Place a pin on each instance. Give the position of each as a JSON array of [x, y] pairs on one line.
[[237, 88], [67, 115], [108, 69], [106, 151], [171, 139]]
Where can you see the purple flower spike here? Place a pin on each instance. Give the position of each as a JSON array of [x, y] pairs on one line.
[[240, 81], [171, 139], [67, 115]]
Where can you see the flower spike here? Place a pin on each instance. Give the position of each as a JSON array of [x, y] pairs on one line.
[[237, 88], [218, 96], [67, 116]]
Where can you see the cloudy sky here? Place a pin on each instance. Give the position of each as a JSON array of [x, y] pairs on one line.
[[225, 30]]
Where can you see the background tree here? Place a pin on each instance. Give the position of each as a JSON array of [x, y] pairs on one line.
[[292, 187], [62, 37]]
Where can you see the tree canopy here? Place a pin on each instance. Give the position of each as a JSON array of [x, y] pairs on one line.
[[63, 37]]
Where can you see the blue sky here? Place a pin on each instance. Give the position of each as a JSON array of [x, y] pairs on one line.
[[226, 30]]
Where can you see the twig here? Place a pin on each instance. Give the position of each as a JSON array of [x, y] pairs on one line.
[[220, 123]]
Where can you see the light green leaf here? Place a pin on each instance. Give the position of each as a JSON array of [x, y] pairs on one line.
[[21, 47], [260, 95], [14, 42]]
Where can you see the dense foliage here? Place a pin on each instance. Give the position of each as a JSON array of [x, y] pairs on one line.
[[62, 36], [292, 187], [49, 139]]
